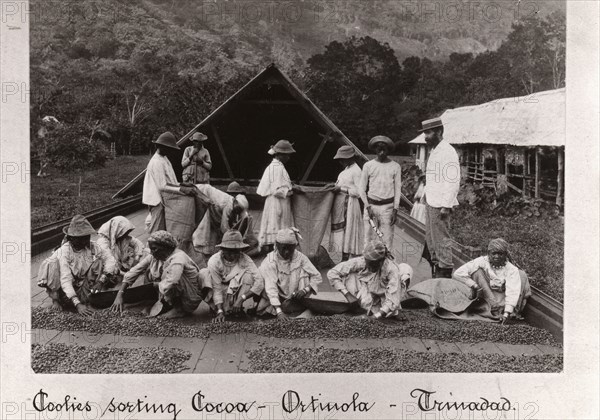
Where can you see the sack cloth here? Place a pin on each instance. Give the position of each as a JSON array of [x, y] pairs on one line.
[[311, 207], [450, 299], [179, 213]]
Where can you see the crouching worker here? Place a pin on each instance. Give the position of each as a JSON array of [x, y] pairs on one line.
[[173, 273], [493, 277], [76, 268], [289, 276], [233, 275], [374, 280], [114, 239]]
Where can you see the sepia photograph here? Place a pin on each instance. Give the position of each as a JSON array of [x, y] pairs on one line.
[[297, 186]]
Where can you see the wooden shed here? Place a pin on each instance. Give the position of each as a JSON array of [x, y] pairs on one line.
[[268, 108], [510, 143]]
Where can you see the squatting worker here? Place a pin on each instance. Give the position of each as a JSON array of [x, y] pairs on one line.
[[159, 173], [276, 186], [76, 268], [289, 276], [173, 273], [381, 189], [196, 161], [493, 276], [114, 238], [236, 216], [441, 188], [347, 224], [233, 275], [373, 279]]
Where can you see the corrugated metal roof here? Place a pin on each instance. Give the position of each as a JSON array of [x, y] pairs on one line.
[[526, 121]]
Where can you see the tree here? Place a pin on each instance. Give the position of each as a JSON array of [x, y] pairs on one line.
[[535, 50], [356, 83]]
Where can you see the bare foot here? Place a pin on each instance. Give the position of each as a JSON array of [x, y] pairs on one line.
[[176, 312], [146, 311], [56, 306]]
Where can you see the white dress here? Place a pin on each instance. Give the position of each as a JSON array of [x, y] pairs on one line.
[[349, 238], [277, 213]]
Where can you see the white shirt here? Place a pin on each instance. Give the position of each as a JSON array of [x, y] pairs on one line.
[[349, 180], [506, 277], [159, 173], [442, 176], [275, 181], [381, 181]]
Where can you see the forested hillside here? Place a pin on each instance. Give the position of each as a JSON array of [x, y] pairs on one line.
[[130, 70]]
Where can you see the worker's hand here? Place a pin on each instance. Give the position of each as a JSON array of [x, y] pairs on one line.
[[444, 213], [83, 310], [300, 294], [475, 292], [282, 316], [371, 213], [394, 216], [238, 306], [505, 319], [117, 306], [219, 318], [289, 193], [350, 297], [97, 287]]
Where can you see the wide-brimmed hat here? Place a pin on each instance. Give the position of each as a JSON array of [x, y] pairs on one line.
[[232, 239], [167, 139], [432, 123], [199, 137], [381, 139], [345, 152], [79, 226], [235, 188], [282, 146]]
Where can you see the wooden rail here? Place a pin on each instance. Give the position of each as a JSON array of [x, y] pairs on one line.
[[542, 310]]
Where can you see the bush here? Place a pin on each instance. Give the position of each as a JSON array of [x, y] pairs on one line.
[[69, 149]]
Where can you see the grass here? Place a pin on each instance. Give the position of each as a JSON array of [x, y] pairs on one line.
[[56, 196], [537, 243]]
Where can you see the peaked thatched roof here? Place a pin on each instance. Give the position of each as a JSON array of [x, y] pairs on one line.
[[526, 121], [268, 108]]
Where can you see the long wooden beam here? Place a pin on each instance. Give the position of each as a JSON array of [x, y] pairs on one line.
[[311, 165], [222, 150]]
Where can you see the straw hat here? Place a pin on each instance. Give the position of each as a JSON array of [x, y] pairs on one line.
[[282, 146], [199, 137], [79, 226], [432, 123], [381, 139], [232, 239], [345, 152], [167, 139]]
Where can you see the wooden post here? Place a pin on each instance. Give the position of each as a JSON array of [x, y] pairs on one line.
[[498, 161], [506, 162], [559, 178], [315, 157], [222, 150], [525, 172], [537, 173]]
